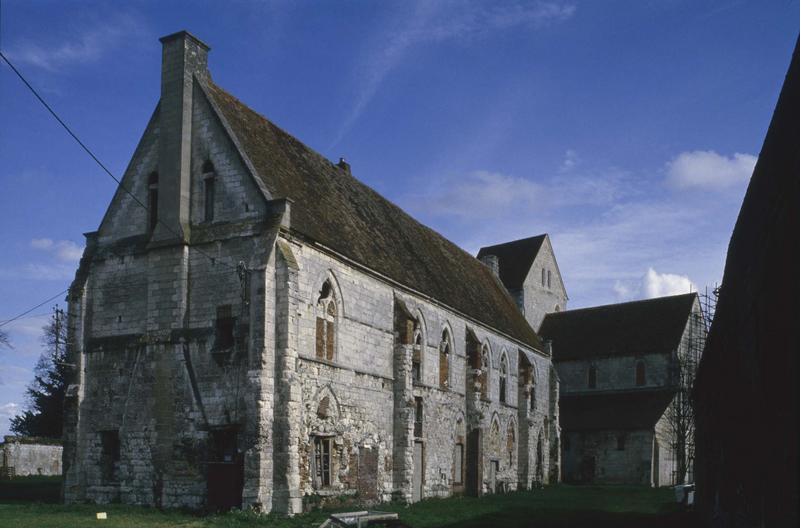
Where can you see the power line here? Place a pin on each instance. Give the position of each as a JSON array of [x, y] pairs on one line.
[[95, 158], [26, 312]]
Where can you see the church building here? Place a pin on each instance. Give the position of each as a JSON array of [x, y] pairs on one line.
[[252, 326]]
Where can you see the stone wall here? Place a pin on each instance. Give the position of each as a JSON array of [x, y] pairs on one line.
[[539, 299], [608, 457], [614, 373], [23, 459]]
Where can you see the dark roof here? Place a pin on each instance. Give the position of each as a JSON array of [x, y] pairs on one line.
[[335, 209], [617, 410], [638, 327], [515, 259]]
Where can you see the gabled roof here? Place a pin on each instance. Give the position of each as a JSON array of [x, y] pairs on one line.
[[631, 410], [336, 210], [515, 259], [640, 327]]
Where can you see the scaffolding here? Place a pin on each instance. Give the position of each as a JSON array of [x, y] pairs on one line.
[[687, 360]]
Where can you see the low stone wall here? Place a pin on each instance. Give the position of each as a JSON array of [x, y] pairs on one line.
[[22, 459]]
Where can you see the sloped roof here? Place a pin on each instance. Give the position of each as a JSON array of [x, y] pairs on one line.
[[618, 410], [335, 209], [515, 259], [640, 327]]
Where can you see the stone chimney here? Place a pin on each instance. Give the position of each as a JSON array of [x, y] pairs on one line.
[[344, 165], [184, 56], [493, 263]]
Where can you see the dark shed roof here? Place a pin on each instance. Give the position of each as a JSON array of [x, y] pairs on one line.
[[638, 327], [338, 211], [515, 259], [619, 410]]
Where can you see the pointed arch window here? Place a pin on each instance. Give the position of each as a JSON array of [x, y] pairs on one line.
[[209, 190], [641, 374], [549, 278], [416, 354], [592, 377], [484, 375], [544, 276], [445, 348], [503, 379], [532, 396], [326, 323]]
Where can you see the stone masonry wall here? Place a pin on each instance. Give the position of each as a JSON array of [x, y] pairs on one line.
[[540, 299], [30, 459], [614, 373], [611, 464]]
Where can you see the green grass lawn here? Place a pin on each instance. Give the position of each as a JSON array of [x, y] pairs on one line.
[[33, 502]]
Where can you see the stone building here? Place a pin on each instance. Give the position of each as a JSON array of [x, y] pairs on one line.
[[529, 271], [254, 326], [623, 411], [746, 393]]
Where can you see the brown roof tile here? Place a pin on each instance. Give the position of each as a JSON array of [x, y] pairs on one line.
[[638, 327], [335, 209]]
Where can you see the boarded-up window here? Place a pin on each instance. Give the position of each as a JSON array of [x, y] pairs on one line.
[[640, 374], [444, 361], [225, 324], [109, 455], [322, 461], [326, 323], [418, 417], [592, 377], [458, 465], [367, 473]]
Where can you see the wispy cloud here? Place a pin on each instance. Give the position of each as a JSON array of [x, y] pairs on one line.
[[63, 250], [612, 229], [85, 46], [705, 169], [437, 22]]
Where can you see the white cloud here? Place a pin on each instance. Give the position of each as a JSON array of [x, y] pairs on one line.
[[64, 250], [87, 46], [436, 22], [480, 194], [571, 160], [656, 284], [705, 169], [41, 243]]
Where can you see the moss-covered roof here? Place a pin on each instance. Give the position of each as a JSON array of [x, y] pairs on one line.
[[651, 326], [335, 209]]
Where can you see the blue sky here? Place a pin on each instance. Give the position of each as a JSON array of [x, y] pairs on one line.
[[626, 130]]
